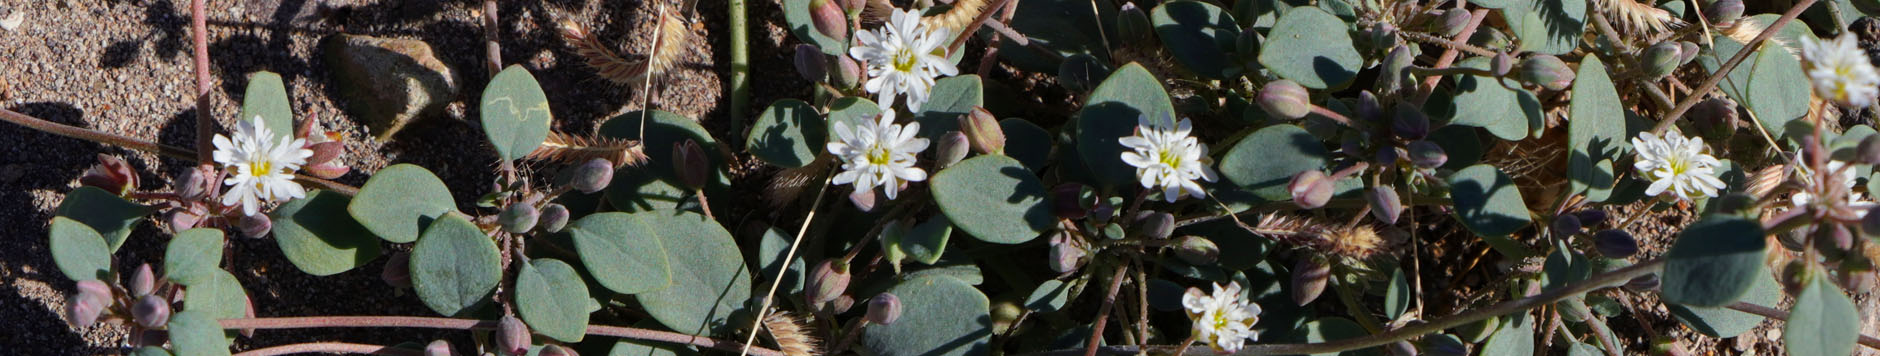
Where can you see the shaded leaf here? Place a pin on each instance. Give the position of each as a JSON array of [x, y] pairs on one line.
[[78, 250], [994, 198], [1311, 47], [1713, 262], [319, 237]]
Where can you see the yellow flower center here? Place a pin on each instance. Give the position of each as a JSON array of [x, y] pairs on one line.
[[880, 155], [1168, 157], [1220, 321], [904, 60]]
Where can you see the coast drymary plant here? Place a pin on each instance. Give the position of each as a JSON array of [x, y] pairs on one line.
[[1410, 177]]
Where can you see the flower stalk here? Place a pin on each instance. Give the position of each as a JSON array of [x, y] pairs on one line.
[[473, 324]]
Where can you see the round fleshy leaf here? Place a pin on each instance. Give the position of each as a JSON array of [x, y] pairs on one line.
[[1200, 35], [851, 111], [1714, 262], [1725, 322], [1487, 201], [219, 295], [655, 184], [552, 299], [994, 198], [1046, 22], [1499, 4], [643, 348], [622, 251], [796, 14], [770, 253], [1051, 296], [515, 113], [1516, 337], [319, 237], [1313, 48], [454, 267], [1595, 129], [150, 351], [108, 214], [399, 201], [197, 333], [1026, 142], [1461, 143], [1769, 83], [1549, 26], [1823, 321], [940, 316], [194, 256], [1482, 101], [78, 250], [709, 280], [928, 240], [266, 97], [950, 99], [1333, 329], [1111, 114], [788, 134], [1397, 294], [1263, 162]]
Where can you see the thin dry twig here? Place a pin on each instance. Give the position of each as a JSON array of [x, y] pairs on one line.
[[1724, 70]]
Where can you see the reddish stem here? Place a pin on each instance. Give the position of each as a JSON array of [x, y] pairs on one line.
[[330, 347], [199, 33], [472, 324]]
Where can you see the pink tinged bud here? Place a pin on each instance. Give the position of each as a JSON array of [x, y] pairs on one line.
[[512, 336], [437, 348], [554, 217], [1066, 256], [397, 272], [142, 281], [953, 148], [326, 170], [556, 350], [325, 151], [1548, 72], [1310, 189], [690, 162], [1308, 280], [256, 226], [847, 72], [183, 218], [865, 200], [982, 128], [1155, 225], [1285, 99], [884, 309], [1724, 13], [85, 306], [1426, 154], [151, 311], [1453, 21], [591, 176], [518, 218], [827, 281], [811, 63], [1384, 203], [1502, 64], [829, 19], [111, 174], [1662, 58], [194, 184], [842, 304], [1197, 250]]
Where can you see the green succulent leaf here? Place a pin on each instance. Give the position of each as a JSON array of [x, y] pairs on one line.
[[319, 237], [797, 14], [926, 241], [78, 250], [1046, 22], [515, 113], [1027, 142], [1500, 4], [266, 97], [770, 253], [1503, 108], [150, 351], [655, 185], [1516, 337], [940, 316], [1200, 35], [640, 348], [1596, 129], [1397, 294], [108, 214], [219, 295], [1263, 162], [994, 198], [1050, 296], [1333, 329], [194, 256], [1111, 114], [1823, 321], [709, 280], [552, 299], [950, 99], [197, 333], [1714, 262], [788, 134], [454, 267], [1311, 47], [1488, 202], [1769, 83], [1547, 26], [623, 252], [852, 111], [399, 201], [1725, 322]]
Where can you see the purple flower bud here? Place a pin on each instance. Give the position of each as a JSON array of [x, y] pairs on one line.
[[512, 336], [953, 148], [142, 281], [1308, 280], [1566, 225], [111, 174], [811, 63], [691, 163], [1196, 250], [1662, 58], [1453, 21], [437, 348], [1643, 283], [1426, 154], [397, 272], [1384, 203], [1067, 201], [1724, 13], [884, 308], [590, 176], [982, 129], [194, 184], [829, 19], [1547, 71], [91, 300], [1410, 123], [1615, 243], [1154, 225], [1310, 189], [1502, 64], [151, 311], [1591, 217], [1285, 99], [518, 217], [827, 281], [256, 226], [554, 217], [1369, 110]]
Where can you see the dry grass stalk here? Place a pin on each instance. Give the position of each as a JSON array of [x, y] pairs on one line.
[[788, 184], [955, 19], [564, 148], [1354, 242], [1639, 18], [790, 335], [667, 45]]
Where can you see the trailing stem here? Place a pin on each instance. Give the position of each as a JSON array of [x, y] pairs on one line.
[[1724, 70], [142, 145], [473, 324]]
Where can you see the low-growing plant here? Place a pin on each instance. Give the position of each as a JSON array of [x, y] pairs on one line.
[[1252, 177]]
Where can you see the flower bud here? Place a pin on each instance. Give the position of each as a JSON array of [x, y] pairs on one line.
[[1403, 348], [1615, 243], [1643, 283], [865, 200], [151, 311], [1591, 217], [1794, 276], [826, 281], [1453, 21], [1869, 150], [1724, 13], [811, 63], [111, 174], [1132, 25], [518, 217], [1369, 110], [437, 348], [1395, 74], [512, 336], [1714, 115], [953, 148], [326, 170], [1154, 225], [1310, 189], [1426, 154], [1547, 71], [91, 300], [1566, 225], [556, 350], [1573, 310], [1387, 157], [194, 184], [256, 226], [1103, 211], [1833, 241], [1308, 280], [590, 176], [325, 151], [1410, 123], [1197, 250], [884, 308], [842, 304], [397, 271], [983, 130], [143, 281], [829, 19], [1382, 36], [691, 163], [1285, 99], [1662, 58], [1687, 51], [184, 218], [846, 74], [1067, 201], [1501, 64], [1066, 257], [1082, 72], [1385, 205], [554, 217]]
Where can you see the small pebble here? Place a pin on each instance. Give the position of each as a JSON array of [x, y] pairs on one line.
[[13, 22]]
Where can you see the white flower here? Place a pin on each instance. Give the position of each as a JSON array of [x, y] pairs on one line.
[[1840, 71], [878, 153], [1169, 159], [1223, 320], [1676, 164], [1846, 179], [260, 165], [903, 58]]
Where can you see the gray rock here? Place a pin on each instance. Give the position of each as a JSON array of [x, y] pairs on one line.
[[387, 82]]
